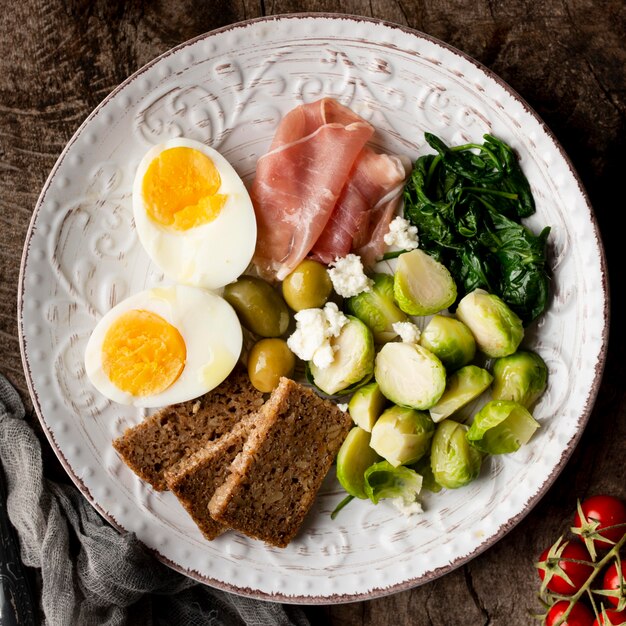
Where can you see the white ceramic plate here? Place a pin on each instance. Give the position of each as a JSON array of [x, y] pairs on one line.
[[229, 89]]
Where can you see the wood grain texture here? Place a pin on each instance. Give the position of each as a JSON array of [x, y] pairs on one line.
[[58, 60]]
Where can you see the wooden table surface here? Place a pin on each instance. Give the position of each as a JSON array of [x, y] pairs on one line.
[[567, 58]]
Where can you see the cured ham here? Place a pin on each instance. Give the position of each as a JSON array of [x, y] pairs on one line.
[[372, 248], [298, 182], [367, 203], [320, 191]]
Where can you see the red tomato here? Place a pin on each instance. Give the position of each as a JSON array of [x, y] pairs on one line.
[[554, 561], [580, 615], [611, 582], [601, 512], [612, 617]]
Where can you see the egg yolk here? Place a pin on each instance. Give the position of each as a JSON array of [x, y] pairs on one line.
[[180, 189], [143, 354]]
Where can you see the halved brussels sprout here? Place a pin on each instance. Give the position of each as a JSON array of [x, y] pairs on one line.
[[462, 387], [401, 435], [353, 362], [410, 375], [498, 331], [422, 285], [521, 377], [353, 458], [454, 461], [377, 309], [450, 340], [501, 426], [383, 480], [366, 405]]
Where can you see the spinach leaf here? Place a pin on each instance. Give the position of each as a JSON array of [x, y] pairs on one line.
[[515, 181], [468, 203]]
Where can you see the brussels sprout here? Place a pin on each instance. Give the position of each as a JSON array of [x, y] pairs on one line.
[[454, 462], [497, 329], [422, 285], [410, 375], [353, 362], [450, 340], [401, 435], [501, 426], [521, 377], [377, 309], [353, 458], [383, 480], [366, 405], [462, 387]]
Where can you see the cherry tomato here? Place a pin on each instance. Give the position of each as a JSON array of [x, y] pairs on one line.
[[601, 512], [580, 615], [611, 582], [554, 561], [612, 617]]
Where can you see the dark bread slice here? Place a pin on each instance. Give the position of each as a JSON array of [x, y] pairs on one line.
[[195, 479], [274, 480], [174, 432]]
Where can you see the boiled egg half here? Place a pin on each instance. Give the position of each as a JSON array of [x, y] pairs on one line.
[[193, 214], [163, 345]]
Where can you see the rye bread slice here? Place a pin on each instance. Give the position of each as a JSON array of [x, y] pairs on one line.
[[174, 432], [195, 479], [274, 480]]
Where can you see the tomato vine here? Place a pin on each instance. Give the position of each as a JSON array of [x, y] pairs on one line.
[[582, 578]]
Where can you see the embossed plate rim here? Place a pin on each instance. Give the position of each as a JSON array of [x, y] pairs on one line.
[[408, 582]]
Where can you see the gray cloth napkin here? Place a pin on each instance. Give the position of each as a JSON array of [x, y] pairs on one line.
[[90, 573]]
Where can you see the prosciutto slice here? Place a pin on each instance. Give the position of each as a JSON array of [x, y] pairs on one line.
[[298, 182], [367, 203]]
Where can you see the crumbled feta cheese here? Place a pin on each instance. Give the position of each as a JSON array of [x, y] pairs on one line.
[[335, 319], [314, 329], [343, 407], [348, 277], [402, 234], [409, 332], [407, 508]]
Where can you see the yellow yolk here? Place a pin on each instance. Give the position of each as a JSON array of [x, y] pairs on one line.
[[180, 189], [142, 354]]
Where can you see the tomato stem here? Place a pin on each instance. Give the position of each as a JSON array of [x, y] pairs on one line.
[[586, 587]]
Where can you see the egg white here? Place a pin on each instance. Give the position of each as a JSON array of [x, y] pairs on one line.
[[209, 327], [213, 254]]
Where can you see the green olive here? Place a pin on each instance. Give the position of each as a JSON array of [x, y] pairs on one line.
[[269, 359], [259, 306], [308, 286]]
